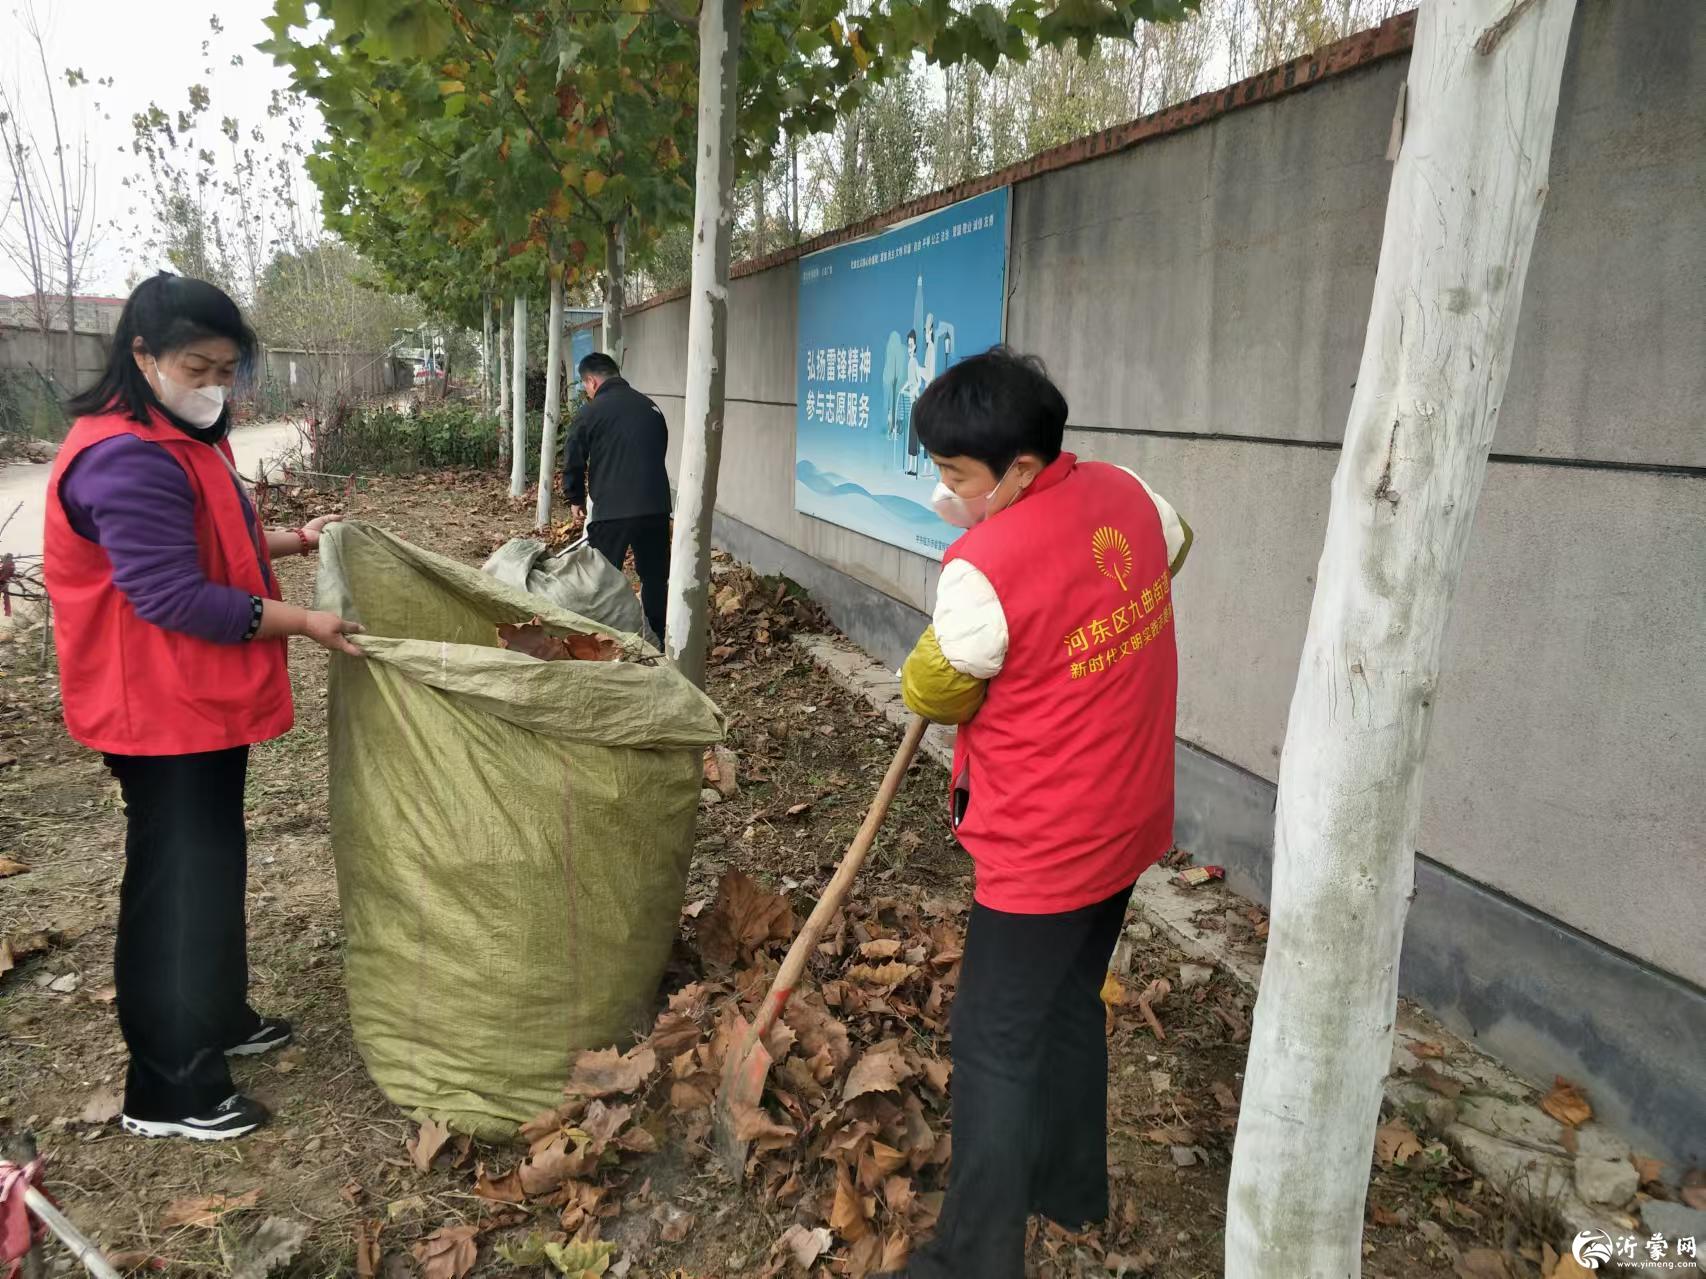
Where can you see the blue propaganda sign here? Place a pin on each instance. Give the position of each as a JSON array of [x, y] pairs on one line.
[[879, 318], [584, 334]]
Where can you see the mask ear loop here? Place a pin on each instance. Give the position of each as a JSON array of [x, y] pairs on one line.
[[997, 489]]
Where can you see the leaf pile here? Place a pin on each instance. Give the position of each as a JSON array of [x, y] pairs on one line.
[[535, 640], [851, 1140], [560, 533], [749, 612]]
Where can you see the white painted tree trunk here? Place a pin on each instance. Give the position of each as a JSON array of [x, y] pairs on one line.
[[486, 363], [553, 400], [688, 623], [615, 288], [518, 400], [503, 369], [1466, 195]]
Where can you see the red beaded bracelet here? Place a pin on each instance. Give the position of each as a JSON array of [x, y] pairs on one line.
[[302, 537]]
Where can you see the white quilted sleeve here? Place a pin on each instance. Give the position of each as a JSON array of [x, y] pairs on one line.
[[970, 624], [1171, 525]]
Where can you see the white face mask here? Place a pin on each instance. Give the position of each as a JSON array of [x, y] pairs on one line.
[[963, 512], [197, 405]]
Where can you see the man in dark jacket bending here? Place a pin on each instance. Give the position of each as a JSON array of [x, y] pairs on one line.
[[620, 438]]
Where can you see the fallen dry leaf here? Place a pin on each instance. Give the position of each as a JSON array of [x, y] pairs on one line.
[[881, 1069], [367, 1249], [1426, 1048], [206, 1211], [1650, 1171], [8, 867], [742, 920], [291, 1058], [1444, 1085], [607, 1072], [428, 1140], [800, 810], [674, 1225], [1569, 1268], [1567, 1104], [104, 1106], [448, 1253], [1152, 995], [847, 1217], [506, 1189], [534, 640], [273, 1246], [804, 1246], [1394, 1143], [753, 1123], [886, 976], [937, 1073], [1134, 1263], [896, 1250], [722, 771], [1694, 1189], [1383, 1216]]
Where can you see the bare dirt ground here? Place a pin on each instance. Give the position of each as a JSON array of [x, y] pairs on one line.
[[335, 1169]]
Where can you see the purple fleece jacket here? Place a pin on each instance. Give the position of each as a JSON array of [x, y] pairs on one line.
[[129, 495]]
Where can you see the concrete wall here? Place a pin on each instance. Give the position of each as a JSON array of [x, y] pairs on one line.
[[304, 376], [1202, 299], [26, 349]]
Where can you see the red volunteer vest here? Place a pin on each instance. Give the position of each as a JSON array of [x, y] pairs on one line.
[[1063, 782], [133, 688]]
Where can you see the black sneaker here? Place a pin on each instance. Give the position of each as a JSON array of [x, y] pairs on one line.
[[236, 1116], [273, 1032]]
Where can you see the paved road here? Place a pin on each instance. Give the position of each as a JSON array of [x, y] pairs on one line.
[[23, 487]]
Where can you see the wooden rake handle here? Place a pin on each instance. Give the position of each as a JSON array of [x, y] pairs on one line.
[[795, 962]]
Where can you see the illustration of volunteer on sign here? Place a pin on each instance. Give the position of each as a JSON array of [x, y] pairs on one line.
[[905, 377]]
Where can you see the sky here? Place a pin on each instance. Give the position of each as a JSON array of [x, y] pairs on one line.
[[154, 54]]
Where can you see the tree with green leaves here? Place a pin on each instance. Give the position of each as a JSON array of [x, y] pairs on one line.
[[542, 130]]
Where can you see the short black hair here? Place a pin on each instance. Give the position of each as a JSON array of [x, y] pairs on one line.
[[992, 407], [598, 364], [167, 312]]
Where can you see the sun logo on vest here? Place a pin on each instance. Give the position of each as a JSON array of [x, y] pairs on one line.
[[1113, 554]]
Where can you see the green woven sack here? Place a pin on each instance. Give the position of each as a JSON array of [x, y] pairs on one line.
[[511, 835]]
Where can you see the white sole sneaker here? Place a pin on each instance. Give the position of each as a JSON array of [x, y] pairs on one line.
[[237, 1117], [272, 1034]]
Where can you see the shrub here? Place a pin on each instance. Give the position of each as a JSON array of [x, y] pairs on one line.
[[367, 439]]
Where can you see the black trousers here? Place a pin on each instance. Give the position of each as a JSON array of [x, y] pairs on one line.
[[181, 967], [648, 535], [1030, 1087]]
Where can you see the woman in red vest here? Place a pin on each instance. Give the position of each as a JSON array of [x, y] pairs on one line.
[[170, 633], [1052, 648]]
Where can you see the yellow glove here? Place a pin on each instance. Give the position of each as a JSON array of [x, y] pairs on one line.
[[934, 689]]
